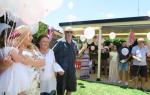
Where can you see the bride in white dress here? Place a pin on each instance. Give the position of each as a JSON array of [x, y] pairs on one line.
[[15, 79], [113, 66], [34, 60]]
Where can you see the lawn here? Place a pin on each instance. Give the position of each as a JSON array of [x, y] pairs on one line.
[[91, 88]]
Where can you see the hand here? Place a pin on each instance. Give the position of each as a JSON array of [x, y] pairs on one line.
[[61, 73], [7, 61], [40, 62], [27, 60], [138, 59], [148, 54]]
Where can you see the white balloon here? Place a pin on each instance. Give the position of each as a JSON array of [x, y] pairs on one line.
[[112, 35], [149, 13], [82, 38], [52, 5], [34, 28], [71, 17], [2, 12], [89, 32], [124, 51], [148, 35], [10, 5], [30, 11], [70, 5]]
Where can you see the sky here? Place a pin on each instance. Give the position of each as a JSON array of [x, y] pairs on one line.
[[83, 10]]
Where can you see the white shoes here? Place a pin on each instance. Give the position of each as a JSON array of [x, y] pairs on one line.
[[119, 81], [126, 83]]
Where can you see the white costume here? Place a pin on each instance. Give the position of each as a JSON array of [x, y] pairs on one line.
[[15, 79], [33, 72], [113, 67], [47, 74]]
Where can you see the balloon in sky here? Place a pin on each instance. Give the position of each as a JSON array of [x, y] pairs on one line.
[[30, 11], [2, 11], [70, 5], [149, 13], [34, 28], [9, 5], [52, 5]]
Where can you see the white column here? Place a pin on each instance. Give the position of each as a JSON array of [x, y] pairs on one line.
[[99, 54]]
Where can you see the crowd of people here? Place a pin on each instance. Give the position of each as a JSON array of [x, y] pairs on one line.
[[119, 63], [35, 69], [125, 61], [28, 69]]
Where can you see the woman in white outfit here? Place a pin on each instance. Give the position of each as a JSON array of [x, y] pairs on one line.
[[113, 67], [31, 59], [15, 79], [49, 71]]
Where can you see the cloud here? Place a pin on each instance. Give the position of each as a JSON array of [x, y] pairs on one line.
[[70, 5], [110, 15], [71, 17], [148, 13]]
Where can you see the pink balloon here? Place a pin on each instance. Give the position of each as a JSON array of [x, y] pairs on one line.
[[51, 32], [31, 11]]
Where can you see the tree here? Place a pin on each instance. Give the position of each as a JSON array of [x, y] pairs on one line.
[[43, 29]]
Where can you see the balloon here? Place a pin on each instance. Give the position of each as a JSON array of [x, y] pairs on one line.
[[70, 5], [89, 32], [2, 12], [3, 26], [34, 28], [10, 5], [51, 31], [30, 11], [148, 35], [82, 38], [125, 51], [149, 13], [71, 17], [112, 35], [52, 5]]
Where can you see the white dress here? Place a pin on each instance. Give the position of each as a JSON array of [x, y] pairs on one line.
[[47, 73], [15, 79], [113, 67], [33, 72]]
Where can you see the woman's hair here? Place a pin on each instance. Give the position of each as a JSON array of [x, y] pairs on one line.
[[39, 39], [23, 32]]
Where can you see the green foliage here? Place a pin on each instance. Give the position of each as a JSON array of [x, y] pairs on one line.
[[116, 41], [43, 28]]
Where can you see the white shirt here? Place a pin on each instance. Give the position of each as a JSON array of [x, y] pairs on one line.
[[47, 74], [140, 53]]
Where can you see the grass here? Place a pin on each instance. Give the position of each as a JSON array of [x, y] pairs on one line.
[[92, 88]]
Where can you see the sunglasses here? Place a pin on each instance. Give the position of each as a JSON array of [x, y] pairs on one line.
[[69, 32]]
